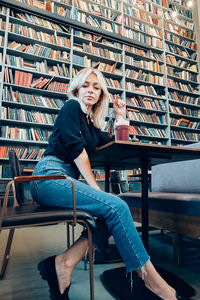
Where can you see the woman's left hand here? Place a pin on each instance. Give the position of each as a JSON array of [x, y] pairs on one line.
[[118, 107]]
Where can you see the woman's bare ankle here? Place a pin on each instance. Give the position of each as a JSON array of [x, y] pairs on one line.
[[63, 272], [154, 282]]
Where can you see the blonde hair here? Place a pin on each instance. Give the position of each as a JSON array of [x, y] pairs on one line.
[[100, 109]]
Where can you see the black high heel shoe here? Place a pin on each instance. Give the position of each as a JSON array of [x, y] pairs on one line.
[[47, 271]]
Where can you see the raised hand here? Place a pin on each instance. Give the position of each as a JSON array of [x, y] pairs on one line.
[[118, 107]]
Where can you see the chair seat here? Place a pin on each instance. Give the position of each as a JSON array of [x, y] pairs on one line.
[[179, 203], [35, 214]]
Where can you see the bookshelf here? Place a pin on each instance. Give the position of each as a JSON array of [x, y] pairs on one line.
[[148, 57]]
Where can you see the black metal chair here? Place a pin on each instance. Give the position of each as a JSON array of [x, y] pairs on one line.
[[26, 213]]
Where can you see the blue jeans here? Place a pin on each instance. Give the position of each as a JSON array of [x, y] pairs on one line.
[[114, 217]]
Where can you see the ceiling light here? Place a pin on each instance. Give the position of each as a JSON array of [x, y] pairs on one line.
[[189, 3], [174, 14]]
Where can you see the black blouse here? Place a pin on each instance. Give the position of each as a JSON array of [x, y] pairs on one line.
[[72, 132]]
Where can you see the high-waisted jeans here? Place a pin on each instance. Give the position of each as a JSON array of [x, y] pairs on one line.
[[113, 214]]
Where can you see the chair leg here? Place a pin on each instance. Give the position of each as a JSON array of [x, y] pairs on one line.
[[73, 234], [68, 235], [90, 252], [7, 252]]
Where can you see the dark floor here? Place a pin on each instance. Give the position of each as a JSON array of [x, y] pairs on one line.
[[31, 245]]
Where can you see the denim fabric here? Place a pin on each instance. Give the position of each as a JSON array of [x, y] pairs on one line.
[[113, 214]]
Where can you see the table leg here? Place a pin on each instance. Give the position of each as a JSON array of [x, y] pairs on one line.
[[107, 179], [145, 203]]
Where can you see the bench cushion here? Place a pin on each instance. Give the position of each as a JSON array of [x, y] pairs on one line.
[[187, 204], [177, 177]]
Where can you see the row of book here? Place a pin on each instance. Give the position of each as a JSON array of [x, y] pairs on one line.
[[111, 15], [184, 98], [179, 21], [180, 41], [29, 32], [182, 122], [32, 19], [143, 38], [19, 77], [2, 24], [60, 10], [27, 116], [136, 115], [96, 9], [103, 67], [181, 51], [111, 100], [186, 136], [141, 15], [148, 29], [97, 39], [97, 22], [144, 53], [100, 11], [22, 152], [113, 83], [172, 60], [3, 10], [85, 61], [2, 40], [98, 51], [181, 86], [26, 79], [154, 66], [143, 89], [25, 134], [180, 31], [20, 62], [184, 111], [39, 50], [151, 132], [182, 12], [149, 103], [141, 75], [109, 3], [147, 6], [30, 99], [182, 74]]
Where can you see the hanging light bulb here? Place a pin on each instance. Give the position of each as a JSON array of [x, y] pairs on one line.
[[174, 14], [189, 3]]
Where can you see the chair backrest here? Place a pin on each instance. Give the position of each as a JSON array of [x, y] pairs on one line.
[[16, 171], [116, 184]]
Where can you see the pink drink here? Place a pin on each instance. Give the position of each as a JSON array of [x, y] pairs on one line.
[[122, 132]]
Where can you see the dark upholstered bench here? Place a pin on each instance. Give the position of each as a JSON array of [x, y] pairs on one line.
[[174, 203]]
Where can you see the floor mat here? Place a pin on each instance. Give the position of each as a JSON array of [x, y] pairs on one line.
[[118, 283]]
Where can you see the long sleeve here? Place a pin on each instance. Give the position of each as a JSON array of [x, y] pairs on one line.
[[66, 140]]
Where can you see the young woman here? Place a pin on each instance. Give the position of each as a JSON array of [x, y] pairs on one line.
[[76, 133]]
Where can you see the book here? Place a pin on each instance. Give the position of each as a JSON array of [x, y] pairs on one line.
[[37, 81]]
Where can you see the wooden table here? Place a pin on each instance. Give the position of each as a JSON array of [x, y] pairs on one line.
[[121, 155]]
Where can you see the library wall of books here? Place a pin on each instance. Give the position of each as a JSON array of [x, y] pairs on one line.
[[146, 49]]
